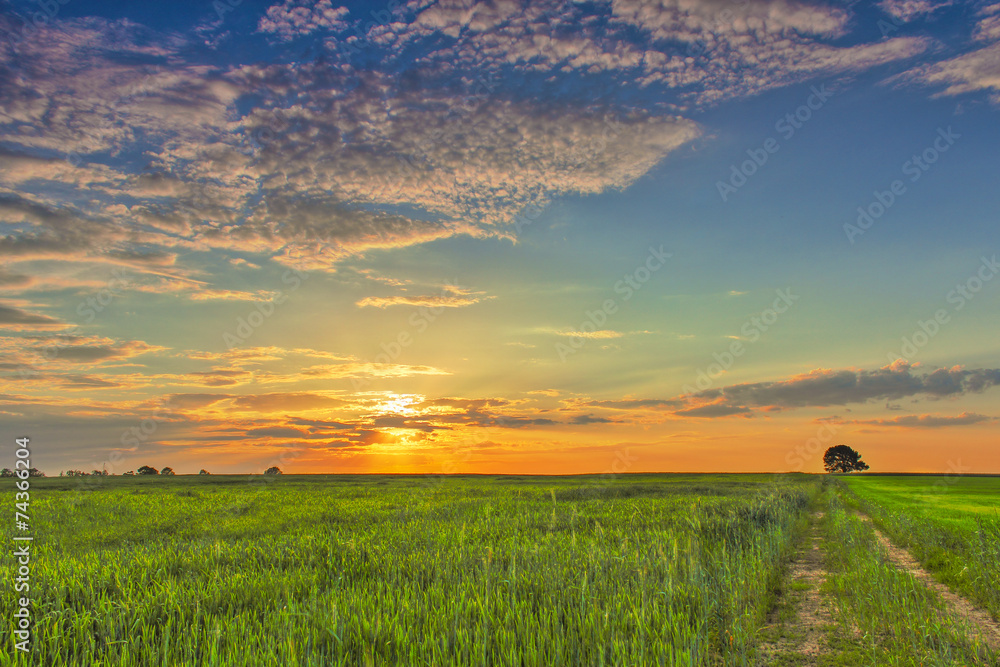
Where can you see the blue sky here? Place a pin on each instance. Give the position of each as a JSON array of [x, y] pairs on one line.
[[357, 237]]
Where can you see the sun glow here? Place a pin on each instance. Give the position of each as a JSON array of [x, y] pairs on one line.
[[398, 404]]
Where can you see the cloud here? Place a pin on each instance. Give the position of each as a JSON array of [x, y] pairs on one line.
[[978, 70], [220, 377], [194, 401], [241, 355], [598, 334], [357, 369], [818, 388], [399, 421], [705, 51], [430, 301], [21, 320], [638, 404], [275, 432], [988, 28], [450, 297], [481, 159], [589, 419], [300, 161], [9, 280], [714, 410], [824, 387], [110, 351], [970, 72], [231, 295], [925, 421], [286, 402], [295, 18], [907, 10], [76, 381], [41, 357]]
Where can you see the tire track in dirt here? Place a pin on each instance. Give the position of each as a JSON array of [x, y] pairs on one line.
[[977, 618], [811, 615]]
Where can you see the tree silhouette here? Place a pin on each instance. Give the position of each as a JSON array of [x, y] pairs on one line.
[[273, 470], [167, 471], [842, 458], [148, 470], [204, 472], [6, 472]]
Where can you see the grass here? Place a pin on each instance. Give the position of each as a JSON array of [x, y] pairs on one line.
[[950, 524], [482, 570], [644, 569], [885, 616]]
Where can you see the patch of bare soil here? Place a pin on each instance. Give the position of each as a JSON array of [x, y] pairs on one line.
[[977, 618], [801, 642]]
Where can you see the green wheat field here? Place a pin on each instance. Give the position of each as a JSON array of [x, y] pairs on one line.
[[481, 570]]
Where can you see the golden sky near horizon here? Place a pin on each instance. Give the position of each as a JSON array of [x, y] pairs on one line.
[[536, 237]]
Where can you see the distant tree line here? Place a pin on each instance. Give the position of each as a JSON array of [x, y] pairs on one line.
[[142, 470], [32, 472]]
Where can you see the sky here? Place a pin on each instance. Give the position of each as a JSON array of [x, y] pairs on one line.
[[445, 236]]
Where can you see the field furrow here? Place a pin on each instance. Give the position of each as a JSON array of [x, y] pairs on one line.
[[801, 621], [979, 620]]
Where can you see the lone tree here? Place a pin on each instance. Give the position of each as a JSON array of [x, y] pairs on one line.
[[204, 472], [167, 471], [842, 458], [273, 470], [148, 470]]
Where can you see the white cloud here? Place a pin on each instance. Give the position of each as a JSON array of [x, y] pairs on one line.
[[705, 51], [978, 70], [294, 18], [332, 162], [970, 72], [907, 10]]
